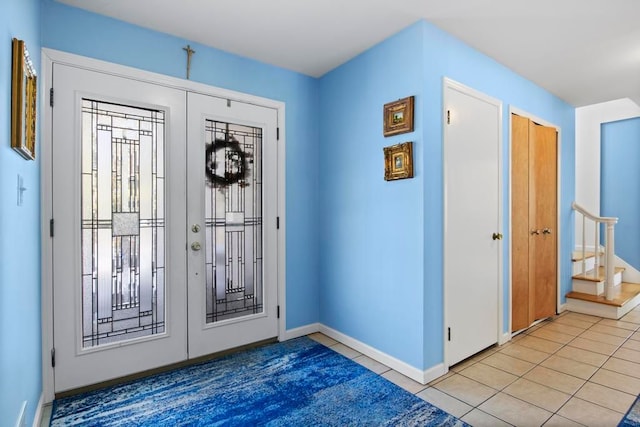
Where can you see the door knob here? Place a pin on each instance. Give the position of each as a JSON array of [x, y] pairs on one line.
[[195, 228], [497, 236], [196, 246], [546, 231], [536, 232]]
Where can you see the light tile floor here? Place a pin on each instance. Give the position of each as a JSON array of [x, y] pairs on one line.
[[571, 370]]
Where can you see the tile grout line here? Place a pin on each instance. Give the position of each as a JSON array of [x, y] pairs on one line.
[[527, 333], [539, 364], [571, 395], [524, 334], [608, 357]]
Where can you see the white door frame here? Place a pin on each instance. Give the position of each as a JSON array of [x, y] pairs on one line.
[[522, 113], [448, 83], [51, 56]]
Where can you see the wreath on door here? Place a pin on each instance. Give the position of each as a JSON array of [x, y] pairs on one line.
[[234, 169]]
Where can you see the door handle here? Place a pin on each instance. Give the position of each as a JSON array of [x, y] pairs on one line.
[[195, 228], [536, 232], [546, 231], [196, 246], [497, 236]]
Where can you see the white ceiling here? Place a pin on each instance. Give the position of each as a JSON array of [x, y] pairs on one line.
[[583, 51]]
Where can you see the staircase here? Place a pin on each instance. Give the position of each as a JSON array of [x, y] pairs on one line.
[[599, 286]]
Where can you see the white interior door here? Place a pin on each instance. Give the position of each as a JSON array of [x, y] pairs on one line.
[[118, 159], [472, 216], [232, 215]]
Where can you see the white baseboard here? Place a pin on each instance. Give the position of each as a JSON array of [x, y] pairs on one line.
[[37, 418], [562, 308], [290, 334], [504, 338], [433, 372], [414, 373], [423, 377]]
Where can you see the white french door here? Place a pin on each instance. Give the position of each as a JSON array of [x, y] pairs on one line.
[[118, 206], [232, 200], [165, 234]]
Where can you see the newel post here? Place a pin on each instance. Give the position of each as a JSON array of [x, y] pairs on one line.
[[609, 263]]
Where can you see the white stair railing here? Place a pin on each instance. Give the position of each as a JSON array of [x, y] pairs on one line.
[[609, 246]]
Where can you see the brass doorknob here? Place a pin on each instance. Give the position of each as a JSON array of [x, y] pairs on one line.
[[497, 236], [546, 231], [536, 232]]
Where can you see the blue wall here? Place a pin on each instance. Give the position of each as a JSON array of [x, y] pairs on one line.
[[20, 348], [372, 282], [88, 34], [619, 195], [381, 243]]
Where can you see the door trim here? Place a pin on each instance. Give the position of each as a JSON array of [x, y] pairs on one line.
[[51, 56], [448, 83], [523, 113]]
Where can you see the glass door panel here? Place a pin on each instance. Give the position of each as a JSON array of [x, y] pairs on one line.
[[122, 222], [233, 220]]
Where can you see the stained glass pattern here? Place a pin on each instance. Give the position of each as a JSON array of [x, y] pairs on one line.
[[233, 221], [122, 222]]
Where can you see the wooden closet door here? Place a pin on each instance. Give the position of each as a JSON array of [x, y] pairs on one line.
[[533, 221], [543, 213]]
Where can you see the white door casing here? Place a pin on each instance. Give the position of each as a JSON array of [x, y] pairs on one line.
[[164, 91], [472, 214]]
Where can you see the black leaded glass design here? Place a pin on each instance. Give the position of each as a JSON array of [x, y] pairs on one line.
[[122, 223], [233, 221]]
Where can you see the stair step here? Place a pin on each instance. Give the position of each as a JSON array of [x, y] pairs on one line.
[[577, 256], [588, 287], [591, 277], [627, 292], [588, 264]]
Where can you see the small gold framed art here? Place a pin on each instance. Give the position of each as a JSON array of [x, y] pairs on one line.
[[398, 116], [23, 101], [398, 161]]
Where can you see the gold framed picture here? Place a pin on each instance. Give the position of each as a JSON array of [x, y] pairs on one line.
[[398, 161], [398, 116], [23, 101]]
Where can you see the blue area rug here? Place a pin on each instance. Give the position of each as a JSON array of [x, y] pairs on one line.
[[632, 419], [294, 383]]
